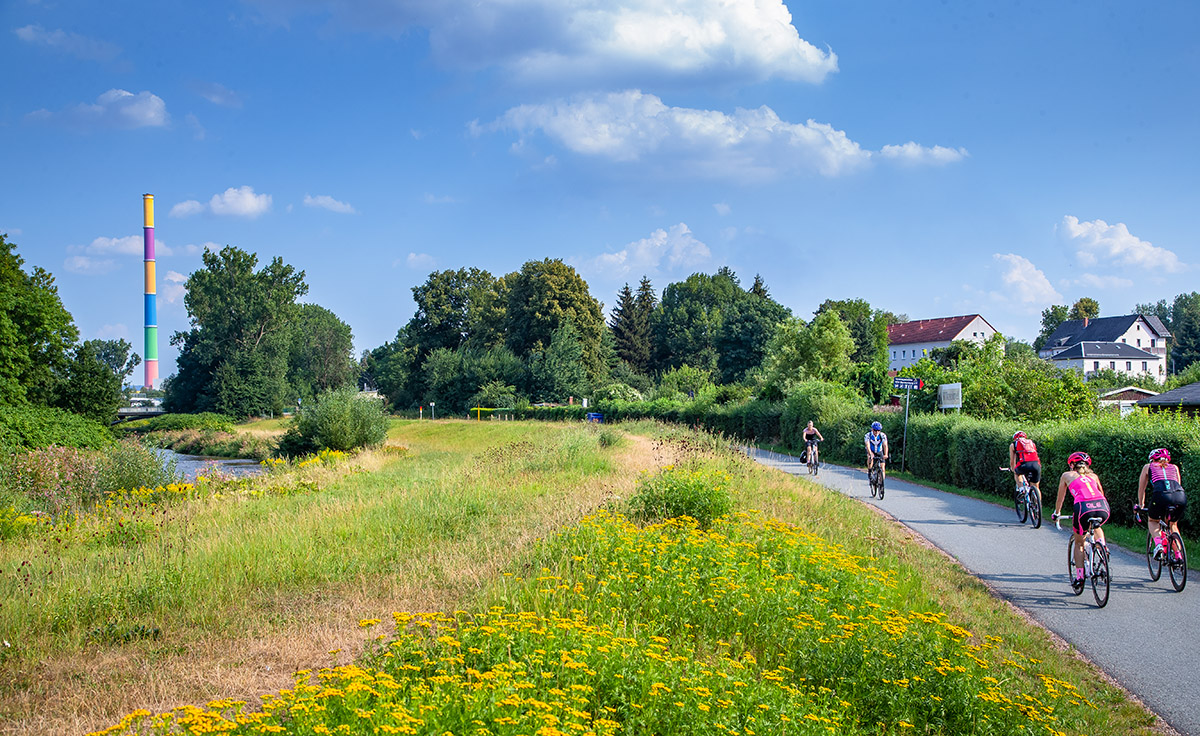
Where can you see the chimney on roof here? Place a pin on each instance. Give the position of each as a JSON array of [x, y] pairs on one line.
[[1085, 321]]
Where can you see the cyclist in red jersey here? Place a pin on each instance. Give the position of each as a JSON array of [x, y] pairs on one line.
[[1023, 459], [1087, 496], [1163, 479]]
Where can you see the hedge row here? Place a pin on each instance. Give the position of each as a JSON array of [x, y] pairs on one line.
[[948, 448], [33, 427], [204, 421]]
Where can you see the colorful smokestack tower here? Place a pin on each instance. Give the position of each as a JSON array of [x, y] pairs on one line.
[[151, 352]]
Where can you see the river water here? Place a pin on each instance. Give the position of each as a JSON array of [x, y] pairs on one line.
[[189, 466]]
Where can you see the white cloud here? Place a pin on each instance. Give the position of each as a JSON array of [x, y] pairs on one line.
[[89, 266], [198, 131], [722, 208], [914, 153], [745, 145], [663, 249], [187, 208], [80, 46], [419, 261], [240, 202], [598, 41], [325, 202], [116, 108], [1026, 285], [1095, 241], [217, 94], [173, 288], [1101, 282], [435, 199], [130, 245], [113, 332]]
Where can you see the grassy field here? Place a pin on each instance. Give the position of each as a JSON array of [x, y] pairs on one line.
[[482, 522]]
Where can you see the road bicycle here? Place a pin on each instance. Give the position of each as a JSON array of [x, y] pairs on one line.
[[1173, 554], [1028, 501], [1095, 562], [814, 466], [875, 476]]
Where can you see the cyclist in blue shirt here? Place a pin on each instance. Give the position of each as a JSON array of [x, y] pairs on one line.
[[877, 447]]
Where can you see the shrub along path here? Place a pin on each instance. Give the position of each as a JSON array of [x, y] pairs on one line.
[[1144, 638]]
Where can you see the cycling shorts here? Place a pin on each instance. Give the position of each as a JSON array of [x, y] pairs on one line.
[[1085, 511], [878, 458], [1031, 469], [1160, 503]]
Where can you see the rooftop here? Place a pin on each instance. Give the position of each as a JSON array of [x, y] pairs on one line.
[[1101, 329], [1188, 395], [1104, 350], [938, 329]]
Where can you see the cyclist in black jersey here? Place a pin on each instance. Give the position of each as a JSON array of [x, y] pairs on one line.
[[811, 436]]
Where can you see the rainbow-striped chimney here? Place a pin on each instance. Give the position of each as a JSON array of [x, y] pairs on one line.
[[151, 351]]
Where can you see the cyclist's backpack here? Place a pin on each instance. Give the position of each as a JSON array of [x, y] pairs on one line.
[[1026, 450]]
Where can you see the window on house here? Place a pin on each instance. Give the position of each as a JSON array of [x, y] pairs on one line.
[[1096, 366], [1139, 342], [924, 351], [1145, 368], [903, 353], [1124, 340], [1128, 365], [1112, 365], [1152, 342], [893, 355]]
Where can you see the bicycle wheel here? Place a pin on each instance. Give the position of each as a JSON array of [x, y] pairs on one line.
[[1100, 581], [1076, 589], [881, 481], [1021, 504], [1155, 565], [873, 481], [1035, 507], [1177, 568]]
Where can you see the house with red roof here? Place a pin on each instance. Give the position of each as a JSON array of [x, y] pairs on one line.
[[908, 342]]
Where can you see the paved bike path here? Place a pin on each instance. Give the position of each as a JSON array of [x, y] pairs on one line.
[[1028, 567]]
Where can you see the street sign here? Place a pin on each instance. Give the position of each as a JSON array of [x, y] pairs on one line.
[[904, 382]]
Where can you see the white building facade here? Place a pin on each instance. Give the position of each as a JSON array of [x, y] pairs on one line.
[[911, 341]]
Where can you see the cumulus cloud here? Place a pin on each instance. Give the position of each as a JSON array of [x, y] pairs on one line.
[[116, 108], [1026, 285], [75, 44], [325, 202], [673, 248], [130, 245], [597, 41], [217, 94], [634, 126], [89, 266], [173, 289], [240, 202], [1096, 241], [419, 261], [722, 208], [1094, 281], [187, 208], [914, 153]]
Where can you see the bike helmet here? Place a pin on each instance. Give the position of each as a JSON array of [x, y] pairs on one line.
[[1078, 457], [1161, 453], [1018, 435], [875, 426]]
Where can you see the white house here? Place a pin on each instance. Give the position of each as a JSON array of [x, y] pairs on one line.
[[911, 341], [1089, 357]]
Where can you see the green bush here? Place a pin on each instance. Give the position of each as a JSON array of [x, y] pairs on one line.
[[341, 419], [32, 427], [203, 421], [678, 491]]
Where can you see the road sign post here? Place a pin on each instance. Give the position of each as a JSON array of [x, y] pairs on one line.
[[908, 384]]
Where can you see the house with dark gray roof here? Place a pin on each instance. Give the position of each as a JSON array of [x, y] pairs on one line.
[[1185, 399], [1132, 344]]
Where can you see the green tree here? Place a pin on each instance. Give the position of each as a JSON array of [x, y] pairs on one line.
[[1185, 328], [234, 359], [543, 296], [457, 307], [800, 352], [869, 330], [1085, 308], [453, 377], [322, 352], [91, 382], [686, 324], [495, 395], [747, 327], [630, 324], [557, 372], [1052, 316], [686, 380], [37, 333]]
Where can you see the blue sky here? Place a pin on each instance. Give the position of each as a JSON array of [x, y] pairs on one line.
[[933, 158]]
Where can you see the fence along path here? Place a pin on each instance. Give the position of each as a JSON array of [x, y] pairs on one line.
[[1027, 566]]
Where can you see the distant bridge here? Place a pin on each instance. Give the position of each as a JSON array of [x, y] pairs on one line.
[[126, 413]]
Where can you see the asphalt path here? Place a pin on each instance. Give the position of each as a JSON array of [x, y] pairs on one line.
[[1143, 619]]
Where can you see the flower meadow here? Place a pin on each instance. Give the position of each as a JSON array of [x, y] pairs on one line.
[[751, 626]]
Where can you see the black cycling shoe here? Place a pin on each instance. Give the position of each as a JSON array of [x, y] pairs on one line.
[[1077, 585]]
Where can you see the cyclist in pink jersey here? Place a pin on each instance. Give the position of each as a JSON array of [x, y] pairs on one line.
[[1087, 497], [1163, 479]]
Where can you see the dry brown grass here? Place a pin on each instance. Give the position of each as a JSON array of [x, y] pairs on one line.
[[94, 688]]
